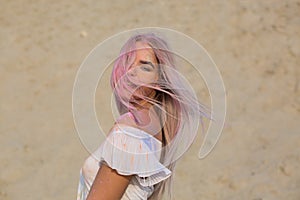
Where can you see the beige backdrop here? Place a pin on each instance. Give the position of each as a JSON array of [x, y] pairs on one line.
[[255, 44]]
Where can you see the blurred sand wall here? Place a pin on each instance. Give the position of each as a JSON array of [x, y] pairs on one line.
[[255, 44]]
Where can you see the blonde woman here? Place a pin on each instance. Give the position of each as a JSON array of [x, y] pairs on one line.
[[158, 121]]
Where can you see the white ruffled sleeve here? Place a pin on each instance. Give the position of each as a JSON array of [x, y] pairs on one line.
[[132, 151]]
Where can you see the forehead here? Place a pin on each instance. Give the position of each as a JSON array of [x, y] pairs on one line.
[[144, 51]]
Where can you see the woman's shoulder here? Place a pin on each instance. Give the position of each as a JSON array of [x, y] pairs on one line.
[[131, 150], [127, 123], [126, 119], [123, 122]]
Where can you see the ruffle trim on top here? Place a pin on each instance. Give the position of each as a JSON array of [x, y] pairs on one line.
[[132, 151], [82, 191]]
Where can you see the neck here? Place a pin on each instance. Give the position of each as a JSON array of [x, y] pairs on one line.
[[146, 119], [146, 104], [142, 109]]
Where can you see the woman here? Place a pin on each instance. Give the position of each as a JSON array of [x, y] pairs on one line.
[[156, 126]]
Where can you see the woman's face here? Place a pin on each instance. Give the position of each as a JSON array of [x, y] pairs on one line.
[[144, 70]]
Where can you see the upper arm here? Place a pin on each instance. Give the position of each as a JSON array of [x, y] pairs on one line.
[[108, 184]]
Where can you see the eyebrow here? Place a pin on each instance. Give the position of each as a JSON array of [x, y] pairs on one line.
[[147, 62]]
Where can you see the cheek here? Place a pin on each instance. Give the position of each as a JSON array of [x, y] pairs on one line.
[[147, 77]]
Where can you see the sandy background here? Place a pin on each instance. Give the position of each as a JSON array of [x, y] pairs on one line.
[[255, 44]]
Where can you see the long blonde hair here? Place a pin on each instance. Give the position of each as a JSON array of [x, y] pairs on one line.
[[174, 100]]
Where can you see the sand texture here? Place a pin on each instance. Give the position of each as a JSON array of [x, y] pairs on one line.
[[255, 45]]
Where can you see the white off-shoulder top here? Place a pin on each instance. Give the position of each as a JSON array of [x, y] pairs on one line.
[[130, 151]]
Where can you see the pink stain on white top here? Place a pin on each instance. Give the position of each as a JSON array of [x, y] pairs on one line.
[[140, 158]]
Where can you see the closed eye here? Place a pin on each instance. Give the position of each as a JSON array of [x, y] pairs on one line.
[[146, 68], [147, 63]]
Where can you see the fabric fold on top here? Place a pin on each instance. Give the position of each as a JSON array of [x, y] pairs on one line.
[[132, 151]]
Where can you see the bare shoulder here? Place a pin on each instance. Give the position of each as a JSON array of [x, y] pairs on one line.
[[125, 119]]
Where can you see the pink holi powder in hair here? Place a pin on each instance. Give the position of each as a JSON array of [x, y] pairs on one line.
[[171, 86]]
